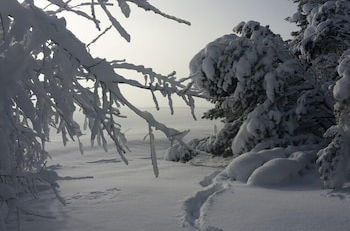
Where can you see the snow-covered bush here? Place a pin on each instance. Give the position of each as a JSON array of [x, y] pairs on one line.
[[47, 74], [184, 153], [221, 145], [333, 163]]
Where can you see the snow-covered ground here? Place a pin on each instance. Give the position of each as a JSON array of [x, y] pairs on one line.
[[303, 206], [130, 198], [120, 197], [247, 208]]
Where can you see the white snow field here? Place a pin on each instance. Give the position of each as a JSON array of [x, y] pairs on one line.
[[240, 207], [120, 197], [130, 198]]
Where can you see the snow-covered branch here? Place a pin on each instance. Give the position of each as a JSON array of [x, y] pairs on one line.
[[43, 70]]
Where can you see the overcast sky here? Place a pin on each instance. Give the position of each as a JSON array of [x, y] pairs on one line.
[[166, 45]]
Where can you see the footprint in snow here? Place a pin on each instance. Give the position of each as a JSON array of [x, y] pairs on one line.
[[108, 194]]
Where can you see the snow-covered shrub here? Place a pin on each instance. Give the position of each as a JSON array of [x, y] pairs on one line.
[[217, 144], [185, 152], [221, 145], [179, 152], [333, 163]]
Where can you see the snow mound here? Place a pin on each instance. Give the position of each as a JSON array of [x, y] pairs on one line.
[[275, 171], [270, 166], [279, 171], [244, 165]]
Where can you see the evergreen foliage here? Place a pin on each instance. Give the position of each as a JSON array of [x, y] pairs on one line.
[[282, 94]]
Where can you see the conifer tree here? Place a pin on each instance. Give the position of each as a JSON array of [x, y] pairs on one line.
[[273, 93]]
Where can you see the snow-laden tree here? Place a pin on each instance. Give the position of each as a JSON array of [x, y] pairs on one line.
[[323, 36], [47, 75], [269, 96], [322, 41], [273, 94], [333, 161]]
